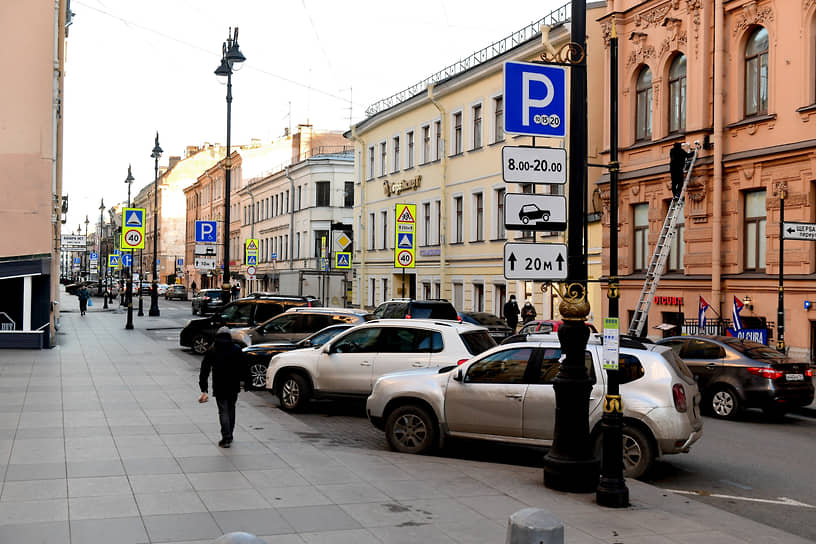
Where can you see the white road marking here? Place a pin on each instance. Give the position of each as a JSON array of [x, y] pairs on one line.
[[783, 501]]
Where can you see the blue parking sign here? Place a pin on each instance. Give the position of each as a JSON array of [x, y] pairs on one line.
[[205, 231], [535, 97]]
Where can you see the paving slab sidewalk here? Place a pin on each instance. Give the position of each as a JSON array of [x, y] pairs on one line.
[[102, 440]]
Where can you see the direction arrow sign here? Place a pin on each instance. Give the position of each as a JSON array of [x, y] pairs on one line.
[[535, 262], [525, 211], [534, 165], [126, 259], [799, 231]]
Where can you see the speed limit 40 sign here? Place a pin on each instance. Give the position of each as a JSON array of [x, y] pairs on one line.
[[133, 228]]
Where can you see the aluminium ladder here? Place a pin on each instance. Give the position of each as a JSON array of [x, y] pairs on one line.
[[661, 253]]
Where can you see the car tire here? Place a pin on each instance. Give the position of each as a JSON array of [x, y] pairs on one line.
[[723, 402], [200, 343], [256, 377], [411, 429], [638, 451], [525, 219], [293, 393]]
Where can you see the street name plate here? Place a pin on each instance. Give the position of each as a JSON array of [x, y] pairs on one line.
[[535, 262], [534, 165], [525, 211], [799, 231]]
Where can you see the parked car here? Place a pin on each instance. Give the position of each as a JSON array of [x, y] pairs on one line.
[[208, 301], [349, 364], [145, 287], [297, 323], [506, 394], [257, 356], [407, 308], [198, 334], [734, 374], [540, 326], [161, 288], [532, 212], [496, 326], [176, 292]]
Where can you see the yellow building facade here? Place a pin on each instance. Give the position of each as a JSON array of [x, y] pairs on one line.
[[438, 146]]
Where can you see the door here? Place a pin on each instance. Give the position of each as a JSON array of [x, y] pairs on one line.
[[705, 360], [489, 399], [283, 328], [539, 402], [404, 349], [349, 363]]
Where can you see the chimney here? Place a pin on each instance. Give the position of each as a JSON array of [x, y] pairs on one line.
[[305, 132], [174, 160]]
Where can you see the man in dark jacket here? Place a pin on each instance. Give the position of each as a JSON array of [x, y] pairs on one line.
[[224, 359], [677, 162], [511, 312]]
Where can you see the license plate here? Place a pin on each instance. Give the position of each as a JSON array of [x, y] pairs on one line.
[[795, 377]]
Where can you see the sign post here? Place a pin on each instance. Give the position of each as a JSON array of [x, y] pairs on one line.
[[405, 242]]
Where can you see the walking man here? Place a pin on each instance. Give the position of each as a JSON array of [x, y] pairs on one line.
[[511, 312], [193, 287], [528, 312], [224, 359], [83, 295]]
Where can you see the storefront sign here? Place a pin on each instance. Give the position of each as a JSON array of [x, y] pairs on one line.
[[668, 301], [397, 187]]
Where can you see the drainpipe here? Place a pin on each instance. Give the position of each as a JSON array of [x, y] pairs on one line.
[[716, 232], [363, 243], [56, 180], [443, 202], [291, 220]]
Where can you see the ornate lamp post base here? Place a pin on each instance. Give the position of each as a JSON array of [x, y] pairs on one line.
[[154, 301]]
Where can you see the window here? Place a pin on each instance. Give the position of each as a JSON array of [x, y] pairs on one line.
[[477, 126], [297, 246], [286, 206], [370, 168], [426, 144], [478, 205], [438, 224], [458, 295], [641, 213], [498, 119], [384, 223], [359, 341], [643, 105], [478, 297], [426, 223], [396, 148], [285, 247], [500, 232], [702, 349], [457, 133], [401, 340], [426, 290], [678, 245], [385, 288], [551, 362], [410, 158], [372, 231], [755, 219], [508, 366], [458, 219], [756, 73], [677, 94], [348, 194], [438, 132], [383, 158], [372, 291], [321, 194]]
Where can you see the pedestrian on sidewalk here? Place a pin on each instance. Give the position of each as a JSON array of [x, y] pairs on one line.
[[83, 296], [193, 287], [224, 360], [511, 312], [528, 313]]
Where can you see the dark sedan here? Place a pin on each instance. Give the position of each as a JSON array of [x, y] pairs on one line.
[[208, 301], [257, 357], [734, 374], [497, 327]]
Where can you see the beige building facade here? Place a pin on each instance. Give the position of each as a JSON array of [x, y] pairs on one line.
[[439, 148]]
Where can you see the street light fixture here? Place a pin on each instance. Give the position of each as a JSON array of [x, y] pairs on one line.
[[87, 265], [231, 59], [154, 289], [101, 258], [129, 325]]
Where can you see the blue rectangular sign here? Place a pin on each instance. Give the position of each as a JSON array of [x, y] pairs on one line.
[[180, 262], [205, 231], [535, 97]]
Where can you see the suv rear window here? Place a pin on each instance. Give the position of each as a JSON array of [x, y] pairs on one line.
[[432, 310], [477, 341]]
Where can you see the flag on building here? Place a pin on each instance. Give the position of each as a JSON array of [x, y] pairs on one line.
[[701, 318], [735, 313]]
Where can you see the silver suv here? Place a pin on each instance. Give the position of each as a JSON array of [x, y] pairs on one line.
[[350, 363], [506, 394]]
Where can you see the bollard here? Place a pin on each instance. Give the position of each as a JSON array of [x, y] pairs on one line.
[[238, 538], [534, 526]]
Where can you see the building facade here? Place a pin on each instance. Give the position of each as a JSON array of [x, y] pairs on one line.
[[738, 76], [31, 202], [438, 146]]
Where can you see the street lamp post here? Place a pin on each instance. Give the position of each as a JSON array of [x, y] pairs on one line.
[[129, 325], [154, 289], [87, 265], [103, 287], [231, 59]]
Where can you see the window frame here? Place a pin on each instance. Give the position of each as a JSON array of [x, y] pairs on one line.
[[476, 114], [642, 232], [644, 102], [762, 59], [761, 222], [678, 84]]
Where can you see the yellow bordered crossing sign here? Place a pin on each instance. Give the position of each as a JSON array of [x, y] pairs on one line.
[[342, 259], [405, 232], [251, 251], [133, 228]]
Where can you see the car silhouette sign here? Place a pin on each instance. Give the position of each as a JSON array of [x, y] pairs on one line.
[[531, 212]]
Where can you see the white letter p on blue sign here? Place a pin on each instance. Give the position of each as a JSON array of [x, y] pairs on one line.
[[536, 98]]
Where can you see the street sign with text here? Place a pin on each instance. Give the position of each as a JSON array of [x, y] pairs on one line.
[[535, 262], [204, 262], [534, 165], [204, 249], [525, 211], [535, 97], [799, 231]]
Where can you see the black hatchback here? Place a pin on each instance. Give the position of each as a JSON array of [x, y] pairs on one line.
[[734, 374]]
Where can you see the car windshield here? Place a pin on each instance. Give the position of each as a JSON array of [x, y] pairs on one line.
[[754, 350], [477, 341]]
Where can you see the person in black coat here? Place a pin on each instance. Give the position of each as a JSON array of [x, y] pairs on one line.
[[677, 162], [511, 312], [225, 361]]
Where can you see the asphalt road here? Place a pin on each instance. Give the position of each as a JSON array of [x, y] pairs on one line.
[[754, 467]]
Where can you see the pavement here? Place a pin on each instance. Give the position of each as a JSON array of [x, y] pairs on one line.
[[102, 440]]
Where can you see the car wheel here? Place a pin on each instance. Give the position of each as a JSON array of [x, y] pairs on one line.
[[525, 219], [410, 429], [256, 376], [201, 343], [724, 403], [638, 452], [293, 393]]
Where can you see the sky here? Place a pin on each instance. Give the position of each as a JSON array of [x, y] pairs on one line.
[[135, 68]]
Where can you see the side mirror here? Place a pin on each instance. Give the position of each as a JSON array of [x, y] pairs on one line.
[[326, 349], [459, 377]]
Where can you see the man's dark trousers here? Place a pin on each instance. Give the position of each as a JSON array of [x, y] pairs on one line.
[[226, 414]]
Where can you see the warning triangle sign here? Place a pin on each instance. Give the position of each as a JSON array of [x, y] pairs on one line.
[[252, 245], [134, 219], [405, 216]]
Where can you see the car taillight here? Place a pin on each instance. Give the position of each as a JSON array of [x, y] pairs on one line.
[[809, 372], [679, 394], [205, 298], [460, 361], [408, 316], [769, 373]]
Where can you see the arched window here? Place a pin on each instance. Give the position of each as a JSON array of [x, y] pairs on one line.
[[677, 94], [756, 73], [643, 105]]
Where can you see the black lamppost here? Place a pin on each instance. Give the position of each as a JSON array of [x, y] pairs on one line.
[[87, 266], [231, 59], [129, 325], [154, 289], [100, 258]]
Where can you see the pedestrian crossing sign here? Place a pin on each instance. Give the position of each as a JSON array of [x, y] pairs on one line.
[[133, 229], [406, 240], [342, 259], [252, 260], [113, 261]]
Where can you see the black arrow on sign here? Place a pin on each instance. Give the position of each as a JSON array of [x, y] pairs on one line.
[[791, 230], [560, 261], [512, 260]]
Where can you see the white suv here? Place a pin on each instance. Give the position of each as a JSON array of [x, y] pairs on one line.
[[351, 362]]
